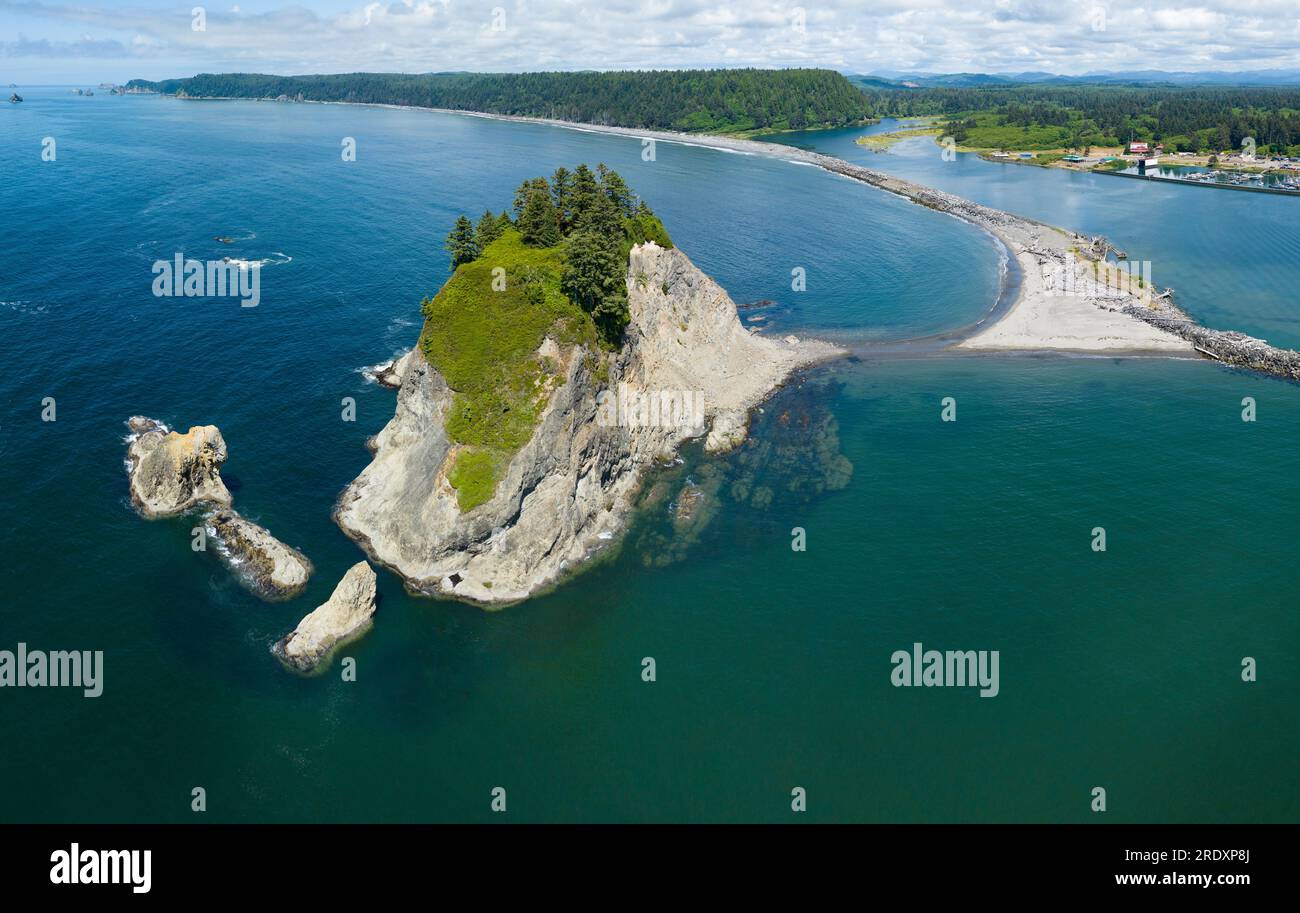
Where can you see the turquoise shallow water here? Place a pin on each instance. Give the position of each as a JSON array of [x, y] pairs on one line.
[[1117, 669]]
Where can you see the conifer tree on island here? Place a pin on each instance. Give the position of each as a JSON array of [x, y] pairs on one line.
[[461, 243], [488, 230], [592, 219]]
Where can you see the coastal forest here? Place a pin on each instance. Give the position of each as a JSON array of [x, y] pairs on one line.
[[693, 101], [553, 265], [751, 101], [1030, 116]]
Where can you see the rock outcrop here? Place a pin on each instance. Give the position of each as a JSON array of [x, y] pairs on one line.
[[171, 473], [390, 373], [262, 562], [344, 616], [688, 368]]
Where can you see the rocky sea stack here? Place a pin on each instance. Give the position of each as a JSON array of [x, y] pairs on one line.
[[171, 473], [344, 616], [567, 490], [388, 373], [266, 565]]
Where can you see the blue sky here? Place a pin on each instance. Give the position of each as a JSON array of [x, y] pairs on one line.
[[53, 41]]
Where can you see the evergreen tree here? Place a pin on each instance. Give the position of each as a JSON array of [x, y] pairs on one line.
[[612, 183], [561, 188], [538, 222], [488, 230], [595, 278], [526, 189], [583, 196], [461, 243]]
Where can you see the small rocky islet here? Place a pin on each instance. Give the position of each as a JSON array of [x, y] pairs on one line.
[[345, 616], [171, 474]]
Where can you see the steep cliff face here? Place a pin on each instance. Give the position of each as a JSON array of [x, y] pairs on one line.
[[687, 368]]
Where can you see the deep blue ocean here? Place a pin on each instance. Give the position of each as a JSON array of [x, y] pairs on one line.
[[1119, 669]]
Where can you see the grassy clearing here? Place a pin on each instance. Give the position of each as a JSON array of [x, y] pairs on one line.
[[484, 341]]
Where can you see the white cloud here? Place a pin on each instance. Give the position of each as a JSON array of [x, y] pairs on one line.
[[285, 36]]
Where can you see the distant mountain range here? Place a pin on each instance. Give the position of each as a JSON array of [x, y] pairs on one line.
[[902, 80]]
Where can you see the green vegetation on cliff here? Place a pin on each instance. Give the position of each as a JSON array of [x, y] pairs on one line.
[[694, 101], [558, 269]]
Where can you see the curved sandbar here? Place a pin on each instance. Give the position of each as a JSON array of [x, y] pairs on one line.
[[1041, 318], [1052, 312]]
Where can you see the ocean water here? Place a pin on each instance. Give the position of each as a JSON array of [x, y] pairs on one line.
[[1118, 669]]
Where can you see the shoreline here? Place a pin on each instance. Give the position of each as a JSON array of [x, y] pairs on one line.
[[1043, 318], [1032, 321]]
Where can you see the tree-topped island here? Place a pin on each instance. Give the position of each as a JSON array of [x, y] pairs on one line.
[[572, 349], [559, 267]]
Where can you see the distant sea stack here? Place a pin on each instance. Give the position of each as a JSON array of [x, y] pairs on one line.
[[345, 616], [171, 473], [15, 98], [567, 491]]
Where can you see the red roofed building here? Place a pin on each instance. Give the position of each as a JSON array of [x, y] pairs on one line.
[[1139, 148]]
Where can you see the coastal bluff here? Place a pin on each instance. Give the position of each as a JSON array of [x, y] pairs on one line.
[[566, 493]]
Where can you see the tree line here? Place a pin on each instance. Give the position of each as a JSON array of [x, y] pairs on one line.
[[1184, 118], [719, 101]]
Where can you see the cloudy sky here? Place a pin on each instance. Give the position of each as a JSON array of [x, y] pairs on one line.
[[60, 41]]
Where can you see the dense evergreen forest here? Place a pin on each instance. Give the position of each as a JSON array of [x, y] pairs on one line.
[[1017, 116], [697, 101], [1193, 119]]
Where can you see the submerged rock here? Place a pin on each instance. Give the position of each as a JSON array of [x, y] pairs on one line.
[[171, 473], [344, 616], [262, 562]]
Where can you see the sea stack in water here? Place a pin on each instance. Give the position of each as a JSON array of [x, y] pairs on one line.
[[344, 616], [170, 472], [601, 423], [263, 563]]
